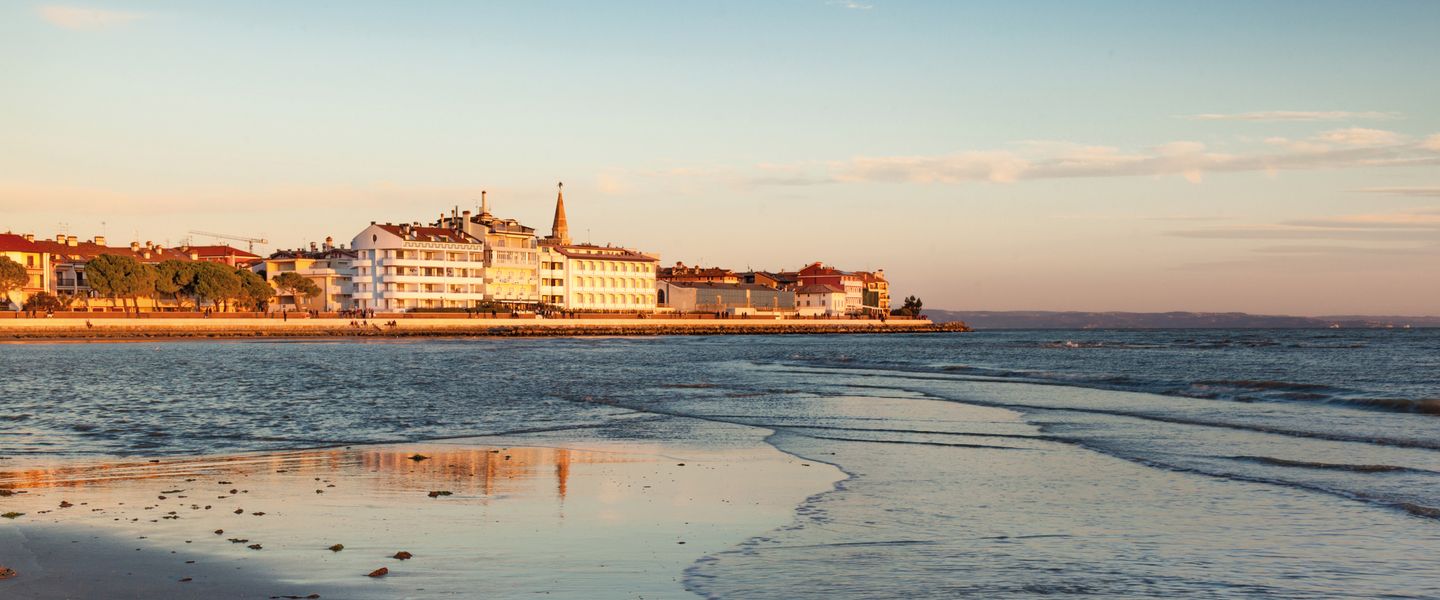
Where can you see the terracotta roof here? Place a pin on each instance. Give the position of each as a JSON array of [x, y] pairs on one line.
[[430, 234], [84, 251], [221, 250], [10, 242], [819, 289]]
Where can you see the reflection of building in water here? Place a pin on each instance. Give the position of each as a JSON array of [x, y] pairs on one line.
[[467, 471]]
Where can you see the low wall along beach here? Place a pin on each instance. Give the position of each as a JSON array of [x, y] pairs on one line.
[[382, 326]]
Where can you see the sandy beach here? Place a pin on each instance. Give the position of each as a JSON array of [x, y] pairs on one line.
[[480, 517]]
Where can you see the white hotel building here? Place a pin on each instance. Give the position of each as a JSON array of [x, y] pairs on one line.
[[587, 277], [405, 267]]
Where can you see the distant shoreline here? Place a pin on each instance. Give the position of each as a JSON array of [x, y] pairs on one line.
[[160, 329]]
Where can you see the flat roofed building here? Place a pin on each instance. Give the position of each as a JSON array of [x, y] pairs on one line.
[[681, 273], [735, 298]]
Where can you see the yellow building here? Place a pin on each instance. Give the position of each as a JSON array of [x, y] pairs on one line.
[[330, 268], [24, 251]]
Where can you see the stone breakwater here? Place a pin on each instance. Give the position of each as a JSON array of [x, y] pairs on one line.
[[161, 328]]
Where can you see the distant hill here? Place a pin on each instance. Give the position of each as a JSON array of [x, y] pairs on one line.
[[1026, 319]]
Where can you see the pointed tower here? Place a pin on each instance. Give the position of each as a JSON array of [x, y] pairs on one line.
[[559, 229]]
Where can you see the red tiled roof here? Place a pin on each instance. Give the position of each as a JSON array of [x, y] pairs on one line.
[[431, 234], [10, 242], [221, 250], [85, 251]]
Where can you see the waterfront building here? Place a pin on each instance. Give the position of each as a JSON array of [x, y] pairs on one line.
[[69, 256], [409, 267], [512, 256], [23, 250], [730, 298], [780, 280], [820, 300], [876, 296], [853, 284], [593, 278], [332, 270], [683, 274]]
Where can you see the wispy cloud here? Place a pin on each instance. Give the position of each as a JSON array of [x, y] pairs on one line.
[[1417, 192], [1419, 225], [80, 18], [1294, 115], [851, 4]]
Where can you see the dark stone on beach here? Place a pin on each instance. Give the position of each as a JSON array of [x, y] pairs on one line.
[[254, 546], [337, 547], [239, 511], [186, 580], [403, 555], [65, 504], [5, 493], [380, 572], [219, 532], [418, 457], [440, 493], [7, 573], [12, 515]]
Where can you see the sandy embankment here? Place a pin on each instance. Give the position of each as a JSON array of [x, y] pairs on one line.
[[478, 515], [160, 327]]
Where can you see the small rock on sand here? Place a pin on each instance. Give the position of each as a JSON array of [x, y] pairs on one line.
[[440, 493], [337, 547], [380, 572], [403, 555], [7, 573], [419, 457]]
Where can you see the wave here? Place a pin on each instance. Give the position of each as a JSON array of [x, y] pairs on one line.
[[1281, 462]]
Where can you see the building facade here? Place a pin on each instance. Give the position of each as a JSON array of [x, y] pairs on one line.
[[39, 277], [408, 267], [331, 269], [820, 301], [593, 278], [683, 274], [853, 284], [729, 298]]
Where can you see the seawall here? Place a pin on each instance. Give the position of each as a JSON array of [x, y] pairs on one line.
[[160, 327]]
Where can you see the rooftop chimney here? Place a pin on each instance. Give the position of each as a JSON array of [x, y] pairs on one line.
[[72, 241], [313, 247], [134, 246], [149, 244], [60, 238], [29, 237], [99, 240]]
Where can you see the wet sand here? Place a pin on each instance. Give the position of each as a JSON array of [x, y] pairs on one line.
[[481, 517]]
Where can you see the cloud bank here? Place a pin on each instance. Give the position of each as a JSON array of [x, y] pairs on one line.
[[1294, 115]]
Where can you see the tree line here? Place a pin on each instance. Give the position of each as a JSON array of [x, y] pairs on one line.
[[190, 284]]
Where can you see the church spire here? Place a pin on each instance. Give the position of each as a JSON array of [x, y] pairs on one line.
[[559, 229]]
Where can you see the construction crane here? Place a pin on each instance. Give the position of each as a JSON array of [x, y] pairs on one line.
[[238, 238]]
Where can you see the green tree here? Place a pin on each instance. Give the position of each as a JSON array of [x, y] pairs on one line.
[[295, 285], [12, 277], [255, 292], [122, 277], [177, 278], [216, 284], [44, 301], [911, 307]]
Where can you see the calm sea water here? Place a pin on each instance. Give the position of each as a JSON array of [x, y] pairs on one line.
[[995, 464]]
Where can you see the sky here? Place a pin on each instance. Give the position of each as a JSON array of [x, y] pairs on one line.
[[1268, 157]]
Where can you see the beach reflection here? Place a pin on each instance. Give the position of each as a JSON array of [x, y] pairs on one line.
[[523, 520]]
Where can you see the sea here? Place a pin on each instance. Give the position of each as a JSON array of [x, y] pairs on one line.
[[992, 464]]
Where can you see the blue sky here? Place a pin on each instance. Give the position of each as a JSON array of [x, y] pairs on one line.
[[1266, 157]]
